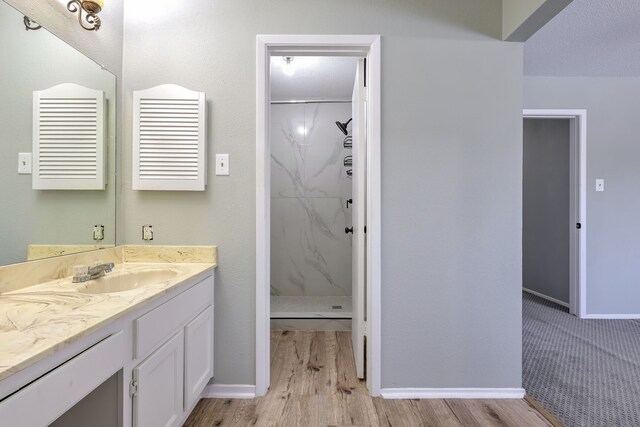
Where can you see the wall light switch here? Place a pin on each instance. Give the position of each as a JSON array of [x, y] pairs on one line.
[[24, 163], [222, 164], [599, 184]]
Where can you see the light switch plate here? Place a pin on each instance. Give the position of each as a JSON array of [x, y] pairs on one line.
[[599, 184], [24, 163], [222, 164]]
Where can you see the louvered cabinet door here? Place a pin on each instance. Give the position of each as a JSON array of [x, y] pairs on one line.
[[169, 149], [69, 138]]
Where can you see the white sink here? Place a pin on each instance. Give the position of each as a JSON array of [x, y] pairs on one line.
[[126, 281]]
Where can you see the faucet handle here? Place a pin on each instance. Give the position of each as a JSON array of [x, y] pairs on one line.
[[80, 273], [80, 270]]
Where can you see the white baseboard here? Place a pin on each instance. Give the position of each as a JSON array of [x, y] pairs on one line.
[[586, 316], [612, 316], [452, 393], [548, 298], [229, 391]]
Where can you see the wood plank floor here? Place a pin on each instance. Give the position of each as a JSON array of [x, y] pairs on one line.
[[313, 383]]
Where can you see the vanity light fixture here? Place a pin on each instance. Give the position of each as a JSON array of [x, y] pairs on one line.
[[30, 24], [90, 9]]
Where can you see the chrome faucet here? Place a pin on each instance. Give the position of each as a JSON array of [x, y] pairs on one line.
[[82, 273]]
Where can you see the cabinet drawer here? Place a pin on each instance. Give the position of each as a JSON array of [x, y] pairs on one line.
[[155, 327], [44, 400]]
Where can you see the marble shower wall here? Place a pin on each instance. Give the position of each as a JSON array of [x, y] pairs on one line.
[[310, 252]]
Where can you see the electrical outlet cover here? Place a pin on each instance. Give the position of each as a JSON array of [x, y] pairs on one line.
[[147, 232]]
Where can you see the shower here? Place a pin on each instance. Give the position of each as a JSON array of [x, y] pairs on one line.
[[311, 274], [343, 126]]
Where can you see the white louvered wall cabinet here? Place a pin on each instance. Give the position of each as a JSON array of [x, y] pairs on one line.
[[169, 139], [69, 125]]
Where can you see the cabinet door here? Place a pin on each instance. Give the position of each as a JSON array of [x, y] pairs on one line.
[[198, 356], [158, 401]]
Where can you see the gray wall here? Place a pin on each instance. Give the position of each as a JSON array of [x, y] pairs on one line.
[[545, 207], [613, 153], [451, 184], [37, 60]]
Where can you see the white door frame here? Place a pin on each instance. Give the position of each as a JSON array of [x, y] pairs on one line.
[[578, 203], [357, 45]]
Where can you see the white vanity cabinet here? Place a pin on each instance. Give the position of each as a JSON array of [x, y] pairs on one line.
[[175, 343], [160, 356]]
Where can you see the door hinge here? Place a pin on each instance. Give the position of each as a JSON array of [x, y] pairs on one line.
[[578, 226], [133, 388], [364, 327]]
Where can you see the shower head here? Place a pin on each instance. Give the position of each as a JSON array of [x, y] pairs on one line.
[[343, 126]]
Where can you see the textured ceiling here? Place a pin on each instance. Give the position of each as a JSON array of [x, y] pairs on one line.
[[588, 38], [314, 77]]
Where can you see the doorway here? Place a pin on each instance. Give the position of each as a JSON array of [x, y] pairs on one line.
[[312, 200], [545, 209], [554, 206], [301, 47]]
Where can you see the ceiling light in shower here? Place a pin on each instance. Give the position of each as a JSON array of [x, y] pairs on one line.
[[302, 130], [288, 68], [90, 9]]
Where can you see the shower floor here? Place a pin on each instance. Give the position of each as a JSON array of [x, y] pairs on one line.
[[301, 307]]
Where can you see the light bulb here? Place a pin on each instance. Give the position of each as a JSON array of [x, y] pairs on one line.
[[288, 68]]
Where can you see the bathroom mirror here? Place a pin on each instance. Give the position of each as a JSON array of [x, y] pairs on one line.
[[36, 224]]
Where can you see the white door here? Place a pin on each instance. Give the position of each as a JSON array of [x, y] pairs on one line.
[[358, 131], [158, 401]]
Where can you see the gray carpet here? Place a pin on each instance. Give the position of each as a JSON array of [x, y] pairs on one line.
[[585, 372]]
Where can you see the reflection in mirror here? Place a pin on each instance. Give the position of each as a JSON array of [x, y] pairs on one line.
[[41, 223]]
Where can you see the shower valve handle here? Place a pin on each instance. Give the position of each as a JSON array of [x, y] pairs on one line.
[[349, 201], [348, 230]]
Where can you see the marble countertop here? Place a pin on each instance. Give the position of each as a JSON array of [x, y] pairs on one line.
[[38, 320]]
